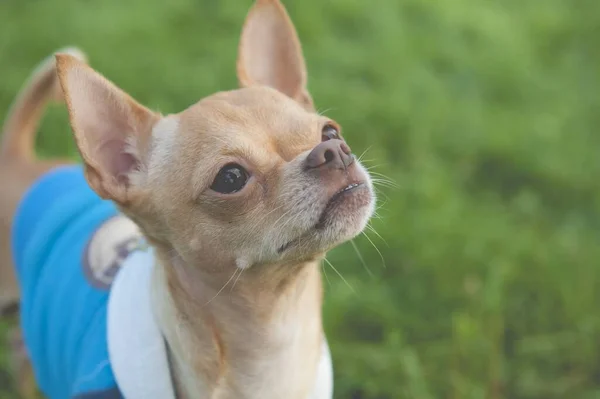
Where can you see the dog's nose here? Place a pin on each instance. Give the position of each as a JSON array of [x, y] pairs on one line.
[[333, 154]]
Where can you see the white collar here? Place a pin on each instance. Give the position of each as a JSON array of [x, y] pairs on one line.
[[136, 346]]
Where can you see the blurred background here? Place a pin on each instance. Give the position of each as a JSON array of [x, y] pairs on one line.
[[481, 277]]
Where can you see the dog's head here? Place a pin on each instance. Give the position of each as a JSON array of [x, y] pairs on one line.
[[244, 177]]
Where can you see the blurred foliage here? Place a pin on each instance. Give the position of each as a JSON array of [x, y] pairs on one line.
[[485, 280]]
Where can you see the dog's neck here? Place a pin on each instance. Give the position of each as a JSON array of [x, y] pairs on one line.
[[259, 336]]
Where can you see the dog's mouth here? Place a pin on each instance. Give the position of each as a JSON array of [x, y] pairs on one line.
[[335, 202]]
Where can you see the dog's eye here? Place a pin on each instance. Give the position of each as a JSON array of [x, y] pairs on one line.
[[230, 179], [329, 132]]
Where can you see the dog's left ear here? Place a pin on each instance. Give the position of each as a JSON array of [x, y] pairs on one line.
[[270, 53]]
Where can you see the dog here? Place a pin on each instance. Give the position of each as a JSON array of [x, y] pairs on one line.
[[182, 258]]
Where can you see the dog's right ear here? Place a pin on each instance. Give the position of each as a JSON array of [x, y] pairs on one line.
[[111, 128]]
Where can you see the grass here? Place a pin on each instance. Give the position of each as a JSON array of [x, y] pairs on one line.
[[485, 113]]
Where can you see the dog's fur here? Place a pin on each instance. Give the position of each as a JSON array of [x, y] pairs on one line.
[[261, 336]]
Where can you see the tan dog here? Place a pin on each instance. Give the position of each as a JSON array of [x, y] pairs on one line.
[[246, 189]]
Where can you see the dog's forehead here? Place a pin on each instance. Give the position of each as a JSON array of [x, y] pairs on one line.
[[255, 116]]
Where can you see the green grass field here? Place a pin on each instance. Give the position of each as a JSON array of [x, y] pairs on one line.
[[486, 281]]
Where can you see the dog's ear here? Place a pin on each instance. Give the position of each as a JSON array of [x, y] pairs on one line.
[[110, 127], [270, 53]]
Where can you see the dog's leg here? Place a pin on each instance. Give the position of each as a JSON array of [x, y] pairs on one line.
[[19, 169]]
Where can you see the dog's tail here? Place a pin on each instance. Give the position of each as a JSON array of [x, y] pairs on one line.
[[22, 120]]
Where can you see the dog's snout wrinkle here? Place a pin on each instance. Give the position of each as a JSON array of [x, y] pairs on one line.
[[331, 154]]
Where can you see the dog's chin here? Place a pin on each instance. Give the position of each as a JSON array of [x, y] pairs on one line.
[[344, 217]]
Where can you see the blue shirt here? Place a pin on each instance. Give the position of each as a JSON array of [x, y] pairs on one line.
[[63, 302]]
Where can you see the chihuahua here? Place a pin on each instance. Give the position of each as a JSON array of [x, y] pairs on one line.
[[198, 234]]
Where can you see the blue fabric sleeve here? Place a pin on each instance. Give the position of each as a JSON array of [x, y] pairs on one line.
[[108, 394], [62, 315]]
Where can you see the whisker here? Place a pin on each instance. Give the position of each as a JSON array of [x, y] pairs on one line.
[[371, 228], [339, 274], [225, 285], [382, 177], [326, 276], [384, 183], [380, 194], [366, 161], [360, 158], [370, 167], [271, 211], [376, 249], [376, 166], [281, 217], [381, 205], [236, 280], [362, 260], [325, 111], [293, 217], [384, 186], [376, 215], [263, 217]]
